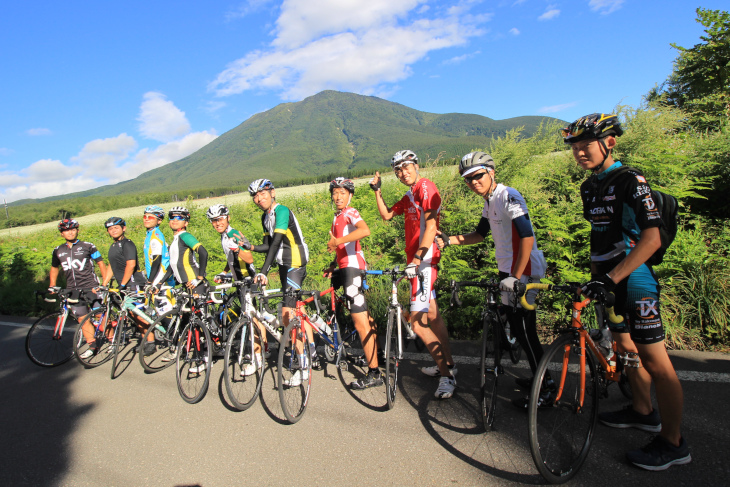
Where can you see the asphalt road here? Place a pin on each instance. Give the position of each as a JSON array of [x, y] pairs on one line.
[[76, 427]]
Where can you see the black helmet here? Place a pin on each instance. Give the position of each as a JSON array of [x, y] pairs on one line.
[[474, 161], [67, 224], [179, 210], [115, 220], [593, 126], [342, 183]]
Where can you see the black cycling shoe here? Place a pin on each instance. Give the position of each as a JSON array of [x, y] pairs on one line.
[[370, 380], [149, 349]]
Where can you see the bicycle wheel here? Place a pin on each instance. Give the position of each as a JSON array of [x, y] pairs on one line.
[[489, 368], [294, 378], [166, 331], [194, 361], [100, 320], [561, 431], [49, 341], [391, 358], [244, 369], [122, 331]]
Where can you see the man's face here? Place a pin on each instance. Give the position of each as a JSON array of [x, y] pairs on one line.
[[220, 224], [264, 199], [150, 221], [589, 154], [71, 234], [176, 223], [480, 182], [116, 231], [407, 173], [340, 197]]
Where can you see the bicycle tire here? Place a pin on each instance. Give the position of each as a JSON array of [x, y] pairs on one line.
[[391, 359], [489, 368], [193, 385], [121, 332], [294, 399], [561, 434], [165, 342], [42, 345], [243, 390], [101, 342]]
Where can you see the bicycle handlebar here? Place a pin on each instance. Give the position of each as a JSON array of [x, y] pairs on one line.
[[569, 289]]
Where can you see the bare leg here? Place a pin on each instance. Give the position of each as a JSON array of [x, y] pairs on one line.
[[639, 379], [434, 336], [365, 326]]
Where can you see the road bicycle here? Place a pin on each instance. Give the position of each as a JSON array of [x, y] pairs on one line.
[[126, 329], [561, 429], [245, 360], [99, 323], [165, 331], [495, 339], [50, 340], [394, 341]]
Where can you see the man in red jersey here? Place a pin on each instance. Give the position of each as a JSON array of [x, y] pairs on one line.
[[421, 206]]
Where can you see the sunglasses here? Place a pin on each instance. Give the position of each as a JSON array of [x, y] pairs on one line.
[[566, 132], [218, 220], [149, 217], [401, 166], [179, 218], [476, 177]]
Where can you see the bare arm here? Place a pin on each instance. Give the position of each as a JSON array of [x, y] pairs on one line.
[[385, 212], [53, 277], [466, 239], [361, 231], [429, 233]]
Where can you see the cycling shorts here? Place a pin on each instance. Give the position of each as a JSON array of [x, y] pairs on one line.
[[291, 277], [81, 308], [350, 279], [421, 296], [642, 317]]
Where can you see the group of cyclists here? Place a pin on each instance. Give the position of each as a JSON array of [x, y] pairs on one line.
[[624, 235]]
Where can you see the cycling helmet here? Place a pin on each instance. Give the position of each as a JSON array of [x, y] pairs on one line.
[[217, 211], [342, 183], [115, 220], [403, 156], [593, 126], [474, 161], [155, 210], [67, 224], [179, 210], [259, 185]]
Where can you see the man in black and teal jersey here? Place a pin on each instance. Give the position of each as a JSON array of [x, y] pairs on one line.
[[283, 243], [625, 222], [124, 268]]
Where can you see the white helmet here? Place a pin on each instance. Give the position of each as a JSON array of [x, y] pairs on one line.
[[403, 156], [217, 211]]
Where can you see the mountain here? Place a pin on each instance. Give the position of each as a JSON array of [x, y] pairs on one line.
[[326, 134]]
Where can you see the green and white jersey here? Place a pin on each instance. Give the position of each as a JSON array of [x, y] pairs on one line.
[[293, 251]]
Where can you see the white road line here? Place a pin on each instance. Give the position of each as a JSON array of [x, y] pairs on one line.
[[685, 375]]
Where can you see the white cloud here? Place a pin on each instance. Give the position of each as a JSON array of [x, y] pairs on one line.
[[549, 14], [160, 119], [514, 31], [246, 8], [462, 58], [347, 45], [38, 131], [101, 155], [51, 170], [557, 108], [605, 7]]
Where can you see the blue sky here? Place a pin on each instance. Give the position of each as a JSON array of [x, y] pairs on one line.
[[94, 93]]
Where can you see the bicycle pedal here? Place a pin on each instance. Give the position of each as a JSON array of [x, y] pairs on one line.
[[343, 365]]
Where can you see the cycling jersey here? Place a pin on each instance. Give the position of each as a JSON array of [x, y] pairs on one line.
[[77, 265], [156, 254], [348, 254], [183, 264], [238, 268], [121, 252], [423, 196], [293, 251], [618, 214], [505, 214]]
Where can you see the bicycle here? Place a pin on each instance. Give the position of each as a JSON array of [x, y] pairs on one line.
[[126, 328], [166, 331], [49, 343], [99, 350], [495, 340], [244, 366], [394, 332], [561, 430]]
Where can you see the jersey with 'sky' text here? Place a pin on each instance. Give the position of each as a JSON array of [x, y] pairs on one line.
[[348, 254], [423, 196], [77, 263]]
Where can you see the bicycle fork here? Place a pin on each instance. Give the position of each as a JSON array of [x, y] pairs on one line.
[[60, 323]]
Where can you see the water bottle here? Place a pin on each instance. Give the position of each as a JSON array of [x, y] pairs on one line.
[[269, 318], [603, 340], [322, 325]]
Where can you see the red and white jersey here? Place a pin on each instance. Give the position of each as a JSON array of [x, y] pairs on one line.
[[423, 196], [348, 254]]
